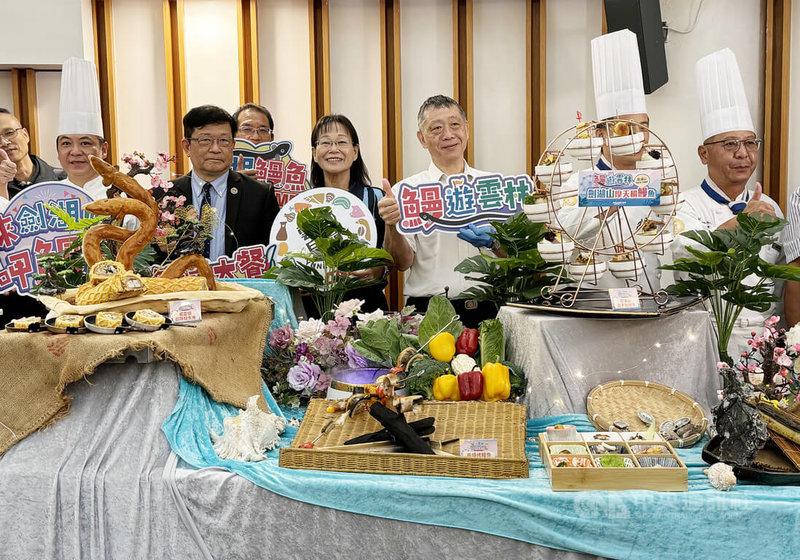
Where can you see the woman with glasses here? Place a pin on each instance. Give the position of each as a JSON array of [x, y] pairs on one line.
[[337, 163]]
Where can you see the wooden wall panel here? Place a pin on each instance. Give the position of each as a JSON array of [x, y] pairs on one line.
[[176, 82], [104, 60], [247, 16], [320, 59], [777, 53], [23, 83]]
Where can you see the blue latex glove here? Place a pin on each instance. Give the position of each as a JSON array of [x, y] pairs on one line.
[[477, 236]]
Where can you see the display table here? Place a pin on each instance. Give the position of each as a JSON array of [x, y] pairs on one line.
[[565, 357], [102, 483]]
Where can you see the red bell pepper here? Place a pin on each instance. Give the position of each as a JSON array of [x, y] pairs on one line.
[[470, 385], [467, 342]]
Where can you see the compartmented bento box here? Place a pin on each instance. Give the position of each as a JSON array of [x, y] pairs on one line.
[[612, 461]]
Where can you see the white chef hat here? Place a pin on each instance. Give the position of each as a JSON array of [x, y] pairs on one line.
[[79, 107], [720, 90], [618, 86]]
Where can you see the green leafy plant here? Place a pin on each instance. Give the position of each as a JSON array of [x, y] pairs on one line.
[[384, 339], [520, 275], [719, 272], [324, 270]]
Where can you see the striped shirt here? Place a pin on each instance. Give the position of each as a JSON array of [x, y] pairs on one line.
[[790, 238]]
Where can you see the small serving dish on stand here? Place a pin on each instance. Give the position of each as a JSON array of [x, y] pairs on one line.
[[50, 324], [91, 324], [32, 326], [137, 326], [626, 145]]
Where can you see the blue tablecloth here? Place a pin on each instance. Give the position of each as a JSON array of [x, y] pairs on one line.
[[747, 522], [280, 294]]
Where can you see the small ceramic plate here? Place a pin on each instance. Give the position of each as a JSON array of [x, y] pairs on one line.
[[35, 327], [92, 326], [136, 325], [51, 326]]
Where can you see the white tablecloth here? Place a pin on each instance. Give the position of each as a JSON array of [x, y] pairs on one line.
[[565, 357], [103, 483]]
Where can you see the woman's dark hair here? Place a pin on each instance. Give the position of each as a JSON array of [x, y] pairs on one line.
[[358, 171]]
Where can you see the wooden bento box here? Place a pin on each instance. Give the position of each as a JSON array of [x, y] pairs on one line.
[[650, 464]]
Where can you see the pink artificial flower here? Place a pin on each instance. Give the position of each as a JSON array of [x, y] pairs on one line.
[[772, 321], [323, 382], [338, 327], [160, 232], [180, 201], [719, 394], [722, 365], [781, 358], [795, 348]]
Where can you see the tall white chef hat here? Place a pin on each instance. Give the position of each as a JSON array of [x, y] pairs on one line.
[[618, 86], [720, 90], [79, 107]]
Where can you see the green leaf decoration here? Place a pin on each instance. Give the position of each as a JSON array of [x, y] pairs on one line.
[[440, 312]]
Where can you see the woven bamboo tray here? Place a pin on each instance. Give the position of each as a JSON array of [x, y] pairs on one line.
[[502, 421], [623, 400]]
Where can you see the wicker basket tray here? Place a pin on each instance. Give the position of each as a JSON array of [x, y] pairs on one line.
[[502, 421], [623, 400], [229, 297]]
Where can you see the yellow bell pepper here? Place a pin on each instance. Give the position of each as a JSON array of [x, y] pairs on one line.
[[496, 382], [445, 388], [443, 347]]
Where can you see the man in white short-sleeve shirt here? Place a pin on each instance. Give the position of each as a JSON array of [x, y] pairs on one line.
[[430, 259]]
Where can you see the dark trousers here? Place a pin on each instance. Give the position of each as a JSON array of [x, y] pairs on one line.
[[470, 311]]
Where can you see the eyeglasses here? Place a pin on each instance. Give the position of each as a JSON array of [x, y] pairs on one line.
[[261, 130], [10, 134], [733, 144], [207, 142], [340, 144]]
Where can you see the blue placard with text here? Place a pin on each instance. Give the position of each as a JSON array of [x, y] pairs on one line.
[[615, 187]]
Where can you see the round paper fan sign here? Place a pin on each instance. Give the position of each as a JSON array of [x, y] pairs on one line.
[[351, 212]]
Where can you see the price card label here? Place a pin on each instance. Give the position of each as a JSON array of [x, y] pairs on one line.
[[484, 448], [185, 311], [624, 299]]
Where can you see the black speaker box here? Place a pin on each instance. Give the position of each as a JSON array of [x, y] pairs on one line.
[[643, 17]]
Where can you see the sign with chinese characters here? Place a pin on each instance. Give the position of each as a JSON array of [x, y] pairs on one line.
[[624, 299], [28, 228], [484, 448], [351, 212], [246, 262], [617, 187], [450, 206], [273, 163], [185, 311]]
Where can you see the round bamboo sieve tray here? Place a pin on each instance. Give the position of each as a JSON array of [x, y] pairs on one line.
[[623, 400]]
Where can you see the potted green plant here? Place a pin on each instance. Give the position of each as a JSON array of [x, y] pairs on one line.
[[324, 270], [520, 275], [719, 272]]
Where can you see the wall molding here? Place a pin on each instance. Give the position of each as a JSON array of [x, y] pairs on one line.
[[777, 55], [247, 17], [23, 85], [462, 64], [176, 82], [103, 25]]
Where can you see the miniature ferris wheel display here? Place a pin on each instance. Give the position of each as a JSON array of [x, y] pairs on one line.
[[604, 219]]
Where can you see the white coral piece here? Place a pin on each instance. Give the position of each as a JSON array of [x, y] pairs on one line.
[[245, 437], [721, 476]]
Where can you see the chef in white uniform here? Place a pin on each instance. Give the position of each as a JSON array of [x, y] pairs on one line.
[[80, 127], [730, 152], [618, 93]]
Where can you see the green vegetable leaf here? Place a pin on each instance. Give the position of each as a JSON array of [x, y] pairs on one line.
[[422, 374], [491, 342], [440, 312]]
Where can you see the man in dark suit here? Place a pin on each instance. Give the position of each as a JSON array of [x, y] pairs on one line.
[[246, 208]]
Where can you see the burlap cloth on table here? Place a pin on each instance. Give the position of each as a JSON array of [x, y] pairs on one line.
[[223, 355]]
